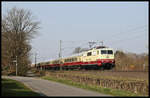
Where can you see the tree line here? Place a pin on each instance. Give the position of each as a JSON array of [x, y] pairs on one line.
[[131, 61]]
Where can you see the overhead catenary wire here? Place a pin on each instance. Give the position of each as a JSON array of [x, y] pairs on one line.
[[133, 32], [127, 39], [129, 36], [71, 48], [81, 45], [130, 41], [134, 29], [71, 41]]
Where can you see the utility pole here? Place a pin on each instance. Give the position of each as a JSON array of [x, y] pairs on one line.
[[147, 48], [60, 54], [35, 59], [16, 65]]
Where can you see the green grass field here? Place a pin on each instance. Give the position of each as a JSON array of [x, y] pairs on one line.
[[109, 91], [14, 88]]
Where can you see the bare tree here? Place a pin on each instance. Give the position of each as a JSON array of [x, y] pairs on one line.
[[18, 28]]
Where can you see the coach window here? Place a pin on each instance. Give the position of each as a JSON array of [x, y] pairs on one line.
[[89, 53], [47, 63], [103, 51], [75, 59], [97, 52]]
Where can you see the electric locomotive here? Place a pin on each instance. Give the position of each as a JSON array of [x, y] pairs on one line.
[[96, 58]]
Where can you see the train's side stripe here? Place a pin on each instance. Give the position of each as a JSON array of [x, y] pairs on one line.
[[98, 62]]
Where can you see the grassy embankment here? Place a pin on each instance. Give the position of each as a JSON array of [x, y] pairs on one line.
[[109, 91], [14, 88]]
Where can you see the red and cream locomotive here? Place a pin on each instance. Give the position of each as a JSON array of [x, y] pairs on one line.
[[95, 58]]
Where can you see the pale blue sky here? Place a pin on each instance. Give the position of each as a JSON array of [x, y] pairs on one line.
[[120, 25]]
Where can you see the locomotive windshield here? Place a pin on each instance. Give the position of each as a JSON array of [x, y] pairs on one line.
[[106, 52], [110, 52], [103, 51]]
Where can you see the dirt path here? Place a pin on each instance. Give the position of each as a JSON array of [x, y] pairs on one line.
[[50, 88]]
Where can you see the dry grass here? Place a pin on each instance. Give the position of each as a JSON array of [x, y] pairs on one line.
[[105, 79]]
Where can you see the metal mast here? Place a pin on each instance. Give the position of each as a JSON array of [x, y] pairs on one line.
[[60, 50]]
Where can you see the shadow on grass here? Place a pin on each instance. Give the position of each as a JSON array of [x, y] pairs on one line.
[[15, 88], [20, 92], [11, 85]]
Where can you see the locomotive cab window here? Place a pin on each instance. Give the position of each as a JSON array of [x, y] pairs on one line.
[[89, 53], [103, 52]]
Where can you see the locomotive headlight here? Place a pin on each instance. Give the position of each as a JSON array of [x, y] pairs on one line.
[[113, 61]]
